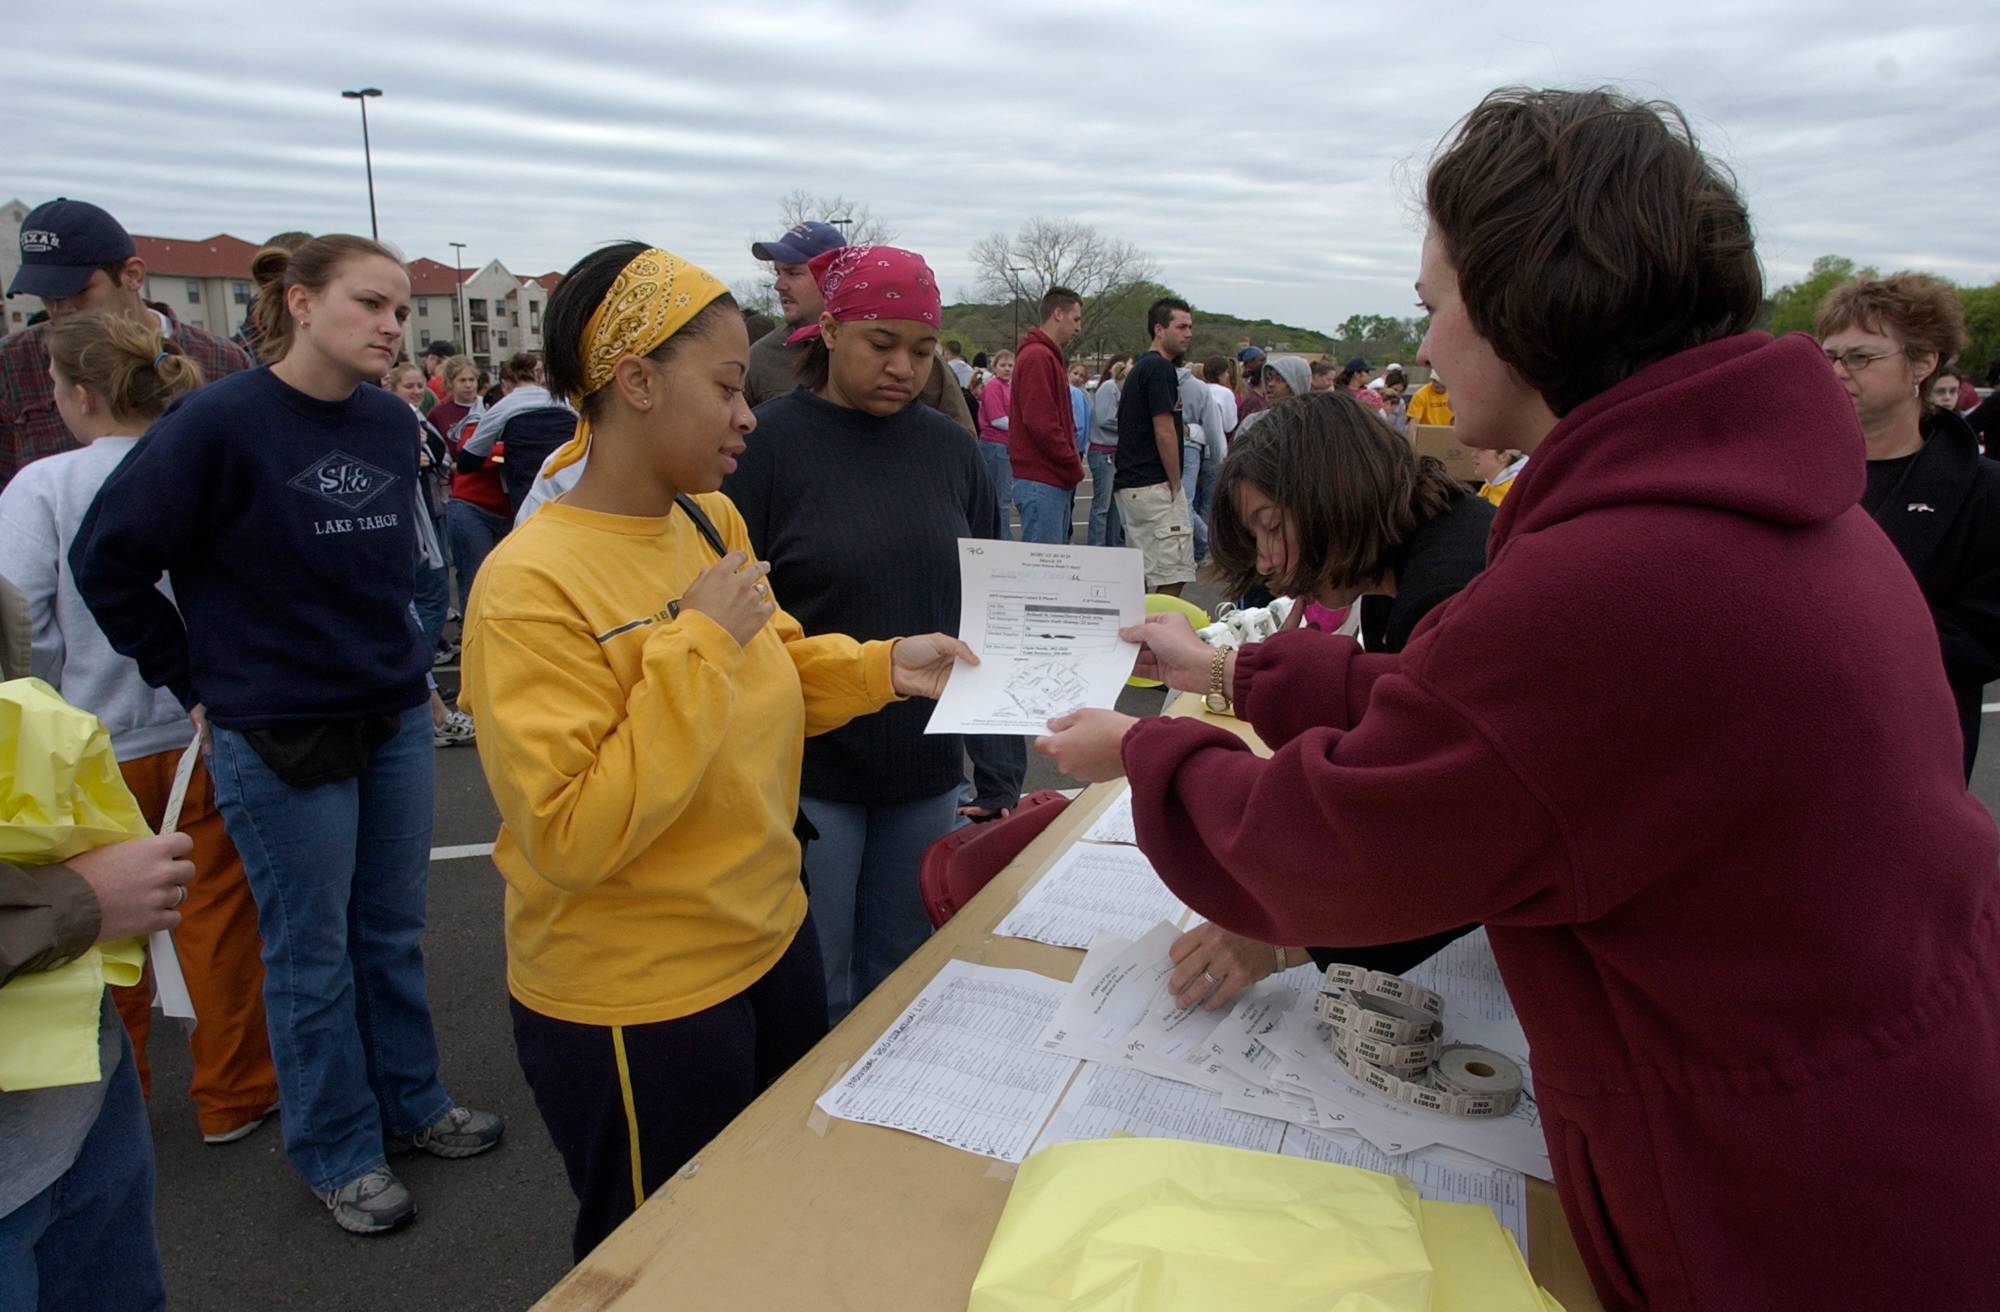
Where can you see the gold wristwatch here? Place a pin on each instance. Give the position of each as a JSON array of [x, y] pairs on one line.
[[1217, 699]]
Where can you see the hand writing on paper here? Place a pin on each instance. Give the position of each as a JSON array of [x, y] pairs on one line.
[[139, 884], [919, 666], [1087, 744], [1170, 652], [1212, 966]]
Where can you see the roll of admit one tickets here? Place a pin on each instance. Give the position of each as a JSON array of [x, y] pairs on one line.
[[1388, 1034]]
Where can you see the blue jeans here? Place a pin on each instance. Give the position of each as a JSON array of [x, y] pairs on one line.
[[1105, 530], [1000, 469], [86, 1243], [1191, 472], [338, 872], [432, 601], [473, 533], [1045, 510], [863, 873]]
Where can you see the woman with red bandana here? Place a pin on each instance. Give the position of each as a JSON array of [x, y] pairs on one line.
[[857, 499]]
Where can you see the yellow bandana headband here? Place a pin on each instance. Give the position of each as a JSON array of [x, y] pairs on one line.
[[652, 298]]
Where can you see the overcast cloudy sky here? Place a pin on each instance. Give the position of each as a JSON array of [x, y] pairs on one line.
[[1266, 155]]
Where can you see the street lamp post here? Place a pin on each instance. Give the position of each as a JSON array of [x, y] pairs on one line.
[[1015, 268], [458, 297], [367, 155]]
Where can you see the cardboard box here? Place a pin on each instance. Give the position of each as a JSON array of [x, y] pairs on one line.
[[1440, 442]]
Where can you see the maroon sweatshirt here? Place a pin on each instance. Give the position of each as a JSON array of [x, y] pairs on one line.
[[1041, 430], [1686, 748]]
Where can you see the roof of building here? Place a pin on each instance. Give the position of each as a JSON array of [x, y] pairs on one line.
[[220, 256], [430, 278], [546, 281]]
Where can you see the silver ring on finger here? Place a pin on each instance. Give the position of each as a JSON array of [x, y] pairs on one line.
[[1211, 979], [763, 589], [182, 898]]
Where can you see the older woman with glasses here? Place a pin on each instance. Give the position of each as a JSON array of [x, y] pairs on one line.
[[1929, 488]]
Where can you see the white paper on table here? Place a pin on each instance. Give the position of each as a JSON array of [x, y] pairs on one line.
[[1044, 619], [1096, 1002], [1105, 1100], [1092, 889], [1115, 825], [1121, 1008], [963, 1064], [1442, 1175], [170, 990]]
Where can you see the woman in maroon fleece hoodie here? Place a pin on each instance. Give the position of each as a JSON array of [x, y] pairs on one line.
[[1718, 832]]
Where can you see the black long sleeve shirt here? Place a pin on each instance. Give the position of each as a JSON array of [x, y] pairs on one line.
[[860, 519]]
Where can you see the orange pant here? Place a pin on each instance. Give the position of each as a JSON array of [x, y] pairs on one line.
[[218, 947]]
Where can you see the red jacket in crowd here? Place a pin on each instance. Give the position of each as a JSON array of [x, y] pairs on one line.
[[1687, 749], [1041, 434]]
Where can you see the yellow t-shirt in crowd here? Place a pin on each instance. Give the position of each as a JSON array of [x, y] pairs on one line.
[[1428, 405], [646, 768]]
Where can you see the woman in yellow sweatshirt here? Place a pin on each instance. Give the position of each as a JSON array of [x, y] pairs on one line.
[[643, 704]]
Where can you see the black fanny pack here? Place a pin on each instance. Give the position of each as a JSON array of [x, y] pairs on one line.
[[321, 751]]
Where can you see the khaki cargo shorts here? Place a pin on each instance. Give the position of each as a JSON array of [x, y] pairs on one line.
[[1156, 522]]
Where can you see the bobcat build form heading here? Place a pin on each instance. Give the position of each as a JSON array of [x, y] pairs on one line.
[[1045, 621]]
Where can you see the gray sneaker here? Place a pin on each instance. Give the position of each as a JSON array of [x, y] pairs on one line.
[[460, 1132], [375, 1204]]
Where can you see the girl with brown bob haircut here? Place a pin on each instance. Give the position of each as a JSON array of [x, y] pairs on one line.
[[1324, 501], [1701, 810]]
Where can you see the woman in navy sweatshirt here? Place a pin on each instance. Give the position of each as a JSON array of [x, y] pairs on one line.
[[857, 498], [289, 496]]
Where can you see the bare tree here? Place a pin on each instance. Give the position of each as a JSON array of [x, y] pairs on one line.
[[755, 295], [852, 217], [1049, 253]]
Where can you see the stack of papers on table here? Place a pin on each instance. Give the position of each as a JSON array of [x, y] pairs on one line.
[[963, 1064], [1263, 1073], [1093, 889], [983, 1060]]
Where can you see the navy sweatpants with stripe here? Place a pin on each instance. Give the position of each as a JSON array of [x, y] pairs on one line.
[[628, 1105]]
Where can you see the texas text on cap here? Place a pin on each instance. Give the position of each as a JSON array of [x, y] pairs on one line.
[[799, 244], [62, 242]]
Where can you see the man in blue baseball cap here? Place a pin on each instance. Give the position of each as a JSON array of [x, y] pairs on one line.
[[774, 364], [1253, 400], [79, 260], [774, 360]]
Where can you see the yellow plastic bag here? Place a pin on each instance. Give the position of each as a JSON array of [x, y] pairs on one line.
[[60, 794], [1135, 1225]]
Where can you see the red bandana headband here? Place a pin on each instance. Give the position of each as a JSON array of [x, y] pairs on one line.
[[874, 282]]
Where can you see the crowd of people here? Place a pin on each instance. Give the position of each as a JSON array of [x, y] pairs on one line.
[[1680, 702]]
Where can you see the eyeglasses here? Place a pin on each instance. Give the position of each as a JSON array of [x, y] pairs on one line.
[[1855, 359]]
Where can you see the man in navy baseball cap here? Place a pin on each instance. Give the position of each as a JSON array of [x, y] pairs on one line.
[[69, 246], [774, 362], [79, 260], [800, 243]]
